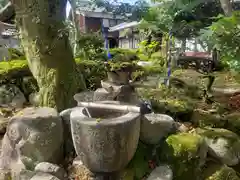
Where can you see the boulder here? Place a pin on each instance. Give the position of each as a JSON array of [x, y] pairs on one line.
[[233, 122], [33, 135], [11, 95], [163, 172], [203, 118], [52, 169], [216, 171], [44, 176], [185, 153], [154, 127], [223, 144]]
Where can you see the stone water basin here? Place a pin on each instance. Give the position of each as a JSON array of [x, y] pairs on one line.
[[104, 139]]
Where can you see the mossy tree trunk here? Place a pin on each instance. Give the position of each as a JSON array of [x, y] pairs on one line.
[[45, 41]]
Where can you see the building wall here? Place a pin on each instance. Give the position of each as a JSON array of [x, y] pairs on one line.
[[93, 24]]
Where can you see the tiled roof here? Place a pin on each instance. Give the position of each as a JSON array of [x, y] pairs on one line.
[[123, 26]]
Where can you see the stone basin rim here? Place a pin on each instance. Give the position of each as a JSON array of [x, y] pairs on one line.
[[78, 115]]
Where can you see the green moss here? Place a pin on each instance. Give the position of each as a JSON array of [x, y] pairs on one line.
[[218, 171], [215, 133], [207, 119], [171, 101], [185, 153]]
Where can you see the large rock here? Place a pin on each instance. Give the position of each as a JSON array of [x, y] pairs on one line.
[[203, 118], [33, 135], [185, 153], [52, 169], [44, 176], [223, 144], [163, 172], [11, 95], [154, 127], [233, 122], [217, 171]]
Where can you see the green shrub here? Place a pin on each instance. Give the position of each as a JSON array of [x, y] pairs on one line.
[[93, 71], [123, 55]]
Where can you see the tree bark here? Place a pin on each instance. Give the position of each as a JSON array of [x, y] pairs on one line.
[[227, 7], [76, 25], [50, 59]]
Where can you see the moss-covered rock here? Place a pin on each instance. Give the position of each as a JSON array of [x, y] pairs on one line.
[[169, 101], [233, 122], [216, 171], [186, 153], [223, 144], [203, 118]]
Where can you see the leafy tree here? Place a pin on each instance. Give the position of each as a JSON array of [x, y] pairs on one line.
[[46, 45], [136, 11]]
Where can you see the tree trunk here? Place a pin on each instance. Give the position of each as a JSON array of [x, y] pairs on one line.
[[45, 41], [76, 25], [227, 7]]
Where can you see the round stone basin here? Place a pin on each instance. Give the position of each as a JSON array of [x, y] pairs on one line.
[[106, 141]]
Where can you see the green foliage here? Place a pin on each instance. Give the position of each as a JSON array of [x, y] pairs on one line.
[[135, 11], [123, 55], [93, 71], [90, 46], [148, 48], [224, 35], [122, 59]]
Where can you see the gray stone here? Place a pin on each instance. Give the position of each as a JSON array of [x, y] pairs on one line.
[[34, 99], [44, 176], [52, 169], [33, 135], [102, 94], [86, 96], [154, 127], [163, 172], [11, 95], [107, 141], [223, 145]]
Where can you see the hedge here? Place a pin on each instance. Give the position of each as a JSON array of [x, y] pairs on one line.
[[93, 71]]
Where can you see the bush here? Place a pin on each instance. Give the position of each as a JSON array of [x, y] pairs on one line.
[[15, 70], [90, 46]]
